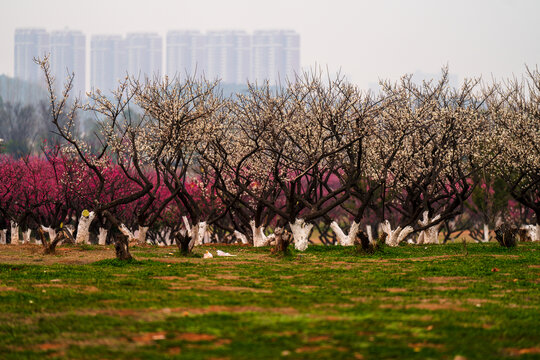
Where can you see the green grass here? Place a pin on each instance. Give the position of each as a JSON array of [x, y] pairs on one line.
[[412, 302]]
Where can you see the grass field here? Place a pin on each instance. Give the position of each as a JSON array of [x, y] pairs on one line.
[[412, 302]]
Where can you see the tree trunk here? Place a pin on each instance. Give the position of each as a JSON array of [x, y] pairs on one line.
[[140, 235], [49, 246], [345, 240], [3, 237], [26, 236], [239, 236], [363, 244], [195, 232], [301, 231], [283, 240], [51, 232], [14, 233], [369, 234], [183, 241], [165, 237], [127, 233], [83, 228], [102, 236], [486, 233], [529, 233], [259, 238], [506, 235], [121, 246], [431, 234], [394, 237]]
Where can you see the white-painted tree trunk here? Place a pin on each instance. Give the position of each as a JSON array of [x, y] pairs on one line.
[[344, 240], [140, 234], [102, 236], [369, 234], [207, 237], [394, 237], [124, 230], [201, 226], [50, 231], [241, 237], [14, 233], [187, 225], [26, 236], [431, 234], [259, 238], [3, 237], [301, 230], [195, 232], [83, 228], [533, 231], [486, 233]]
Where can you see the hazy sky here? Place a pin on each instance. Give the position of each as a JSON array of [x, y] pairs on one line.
[[367, 40]]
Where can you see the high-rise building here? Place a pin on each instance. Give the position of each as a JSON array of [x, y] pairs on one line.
[[264, 57], [276, 55], [218, 55], [234, 57], [30, 43], [186, 54], [241, 62], [108, 61], [224, 55], [228, 56], [289, 41], [144, 54], [68, 56]]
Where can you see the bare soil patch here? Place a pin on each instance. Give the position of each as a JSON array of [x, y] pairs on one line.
[[8, 288], [435, 306], [31, 253], [519, 352], [148, 338], [396, 290], [426, 345], [445, 279], [85, 288], [239, 289], [193, 337], [312, 349], [228, 277], [318, 338]]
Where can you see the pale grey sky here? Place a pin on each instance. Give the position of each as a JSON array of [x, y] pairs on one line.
[[367, 40]]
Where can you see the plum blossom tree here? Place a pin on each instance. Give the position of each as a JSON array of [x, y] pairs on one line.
[[119, 137], [184, 118], [441, 157], [515, 112]]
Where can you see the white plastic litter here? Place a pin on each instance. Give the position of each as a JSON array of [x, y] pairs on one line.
[[207, 255], [223, 253]]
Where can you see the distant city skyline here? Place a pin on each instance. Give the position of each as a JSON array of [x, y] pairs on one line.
[[363, 40], [234, 57]]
